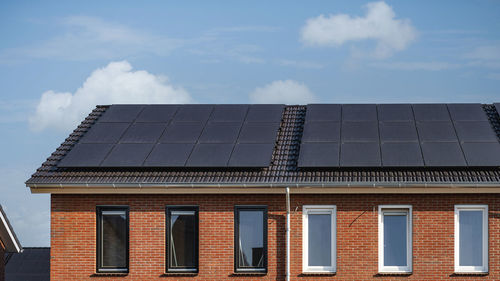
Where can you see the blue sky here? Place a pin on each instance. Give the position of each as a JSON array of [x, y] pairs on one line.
[[59, 59]]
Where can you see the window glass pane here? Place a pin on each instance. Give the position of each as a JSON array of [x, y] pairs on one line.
[[183, 239], [251, 240], [395, 236], [471, 238], [320, 239], [114, 239]]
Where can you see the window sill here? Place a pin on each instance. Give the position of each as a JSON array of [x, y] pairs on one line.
[[249, 273], [318, 273], [469, 274], [109, 274], [394, 274], [166, 274]]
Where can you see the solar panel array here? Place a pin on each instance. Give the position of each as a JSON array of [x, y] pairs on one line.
[[398, 135], [179, 136]]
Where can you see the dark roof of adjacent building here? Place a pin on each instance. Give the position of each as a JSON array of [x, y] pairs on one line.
[[283, 167], [33, 264], [7, 234]]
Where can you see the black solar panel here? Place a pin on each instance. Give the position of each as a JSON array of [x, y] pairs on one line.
[[258, 132], [475, 131], [251, 155], [321, 131], [481, 153], [86, 155], [210, 155], [265, 113], [229, 113], [162, 113], [395, 112], [182, 133], [244, 136], [436, 131], [105, 133], [365, 154], [121, 113], [193, 113], [359, 112], [127, 155], [143, 133], [467, 112], [431, 112], [401, 154], [447, 154], [398, 131], [497, 107], [359, 132], [323, 112], [221, 132], [319, 154], [169, 155], [177, 132]]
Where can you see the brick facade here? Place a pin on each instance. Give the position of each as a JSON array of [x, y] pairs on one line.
[[73, 235]]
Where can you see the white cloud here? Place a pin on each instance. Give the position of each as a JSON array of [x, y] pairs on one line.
[[283, 91], [411, 66], [379, 24], [115, 83]]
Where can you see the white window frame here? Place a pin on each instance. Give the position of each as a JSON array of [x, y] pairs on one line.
[[409, 234], [484, 267], [319, 209]]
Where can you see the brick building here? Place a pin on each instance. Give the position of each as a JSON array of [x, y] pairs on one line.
[[274, 192], [8, 242]]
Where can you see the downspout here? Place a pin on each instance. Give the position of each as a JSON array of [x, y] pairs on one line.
[[287, 234]]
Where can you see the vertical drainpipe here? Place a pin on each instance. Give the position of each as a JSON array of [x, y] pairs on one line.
[[287, 234]]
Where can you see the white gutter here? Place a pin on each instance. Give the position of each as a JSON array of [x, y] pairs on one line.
[[9, 231], [287, 234]]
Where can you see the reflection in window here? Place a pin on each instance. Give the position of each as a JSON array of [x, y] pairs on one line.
[[319, 249], [471, 238], [320, 239], [395, 251], [395, 244], [182, 238], [113, 239], [251, 238]]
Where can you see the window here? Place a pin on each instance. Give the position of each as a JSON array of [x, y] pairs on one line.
[[395, 242], [319, 238], [182, 238], [112, 238], [471, 238], [250, 238]]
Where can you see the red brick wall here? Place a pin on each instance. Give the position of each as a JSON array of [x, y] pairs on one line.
[[74, 242], [2, 262]]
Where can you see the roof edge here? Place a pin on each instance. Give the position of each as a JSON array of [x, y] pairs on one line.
[[7, 234], [259, 188]]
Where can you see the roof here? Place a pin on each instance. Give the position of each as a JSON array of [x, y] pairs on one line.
[[7, 234], [283, 168], [33, 264]]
